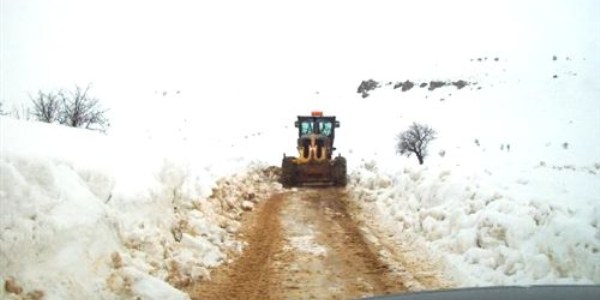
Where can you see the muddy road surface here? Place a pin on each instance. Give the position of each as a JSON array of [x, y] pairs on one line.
[[303, 244]]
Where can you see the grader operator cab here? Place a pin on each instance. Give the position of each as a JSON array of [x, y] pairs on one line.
[[314, 164]]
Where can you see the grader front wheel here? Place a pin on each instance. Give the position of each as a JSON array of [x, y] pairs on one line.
[[339, 171], [288, 172]]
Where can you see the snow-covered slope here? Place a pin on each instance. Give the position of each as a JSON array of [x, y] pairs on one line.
[[510, 192], [87, 216]]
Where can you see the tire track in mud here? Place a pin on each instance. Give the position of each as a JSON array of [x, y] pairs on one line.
[[332, 259], [250, 276], [303, 244]]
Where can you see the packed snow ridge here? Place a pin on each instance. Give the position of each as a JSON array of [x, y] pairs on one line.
[[76, 224], [524, 232]]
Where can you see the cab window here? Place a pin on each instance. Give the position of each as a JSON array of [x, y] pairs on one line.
[[306, 127], [325, 127]]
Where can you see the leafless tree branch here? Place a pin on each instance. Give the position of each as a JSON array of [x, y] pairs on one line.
[[81, 110], [46, 107], [415, 140]]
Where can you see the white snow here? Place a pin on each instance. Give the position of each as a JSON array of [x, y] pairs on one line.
[[528, 214], [86, 215], [539, 233], [152, 288], [300, 232], [509, 194]]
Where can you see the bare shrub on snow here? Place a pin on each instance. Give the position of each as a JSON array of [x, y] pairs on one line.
[[46, 107], [71, 108], [415, 140], [82, 110]]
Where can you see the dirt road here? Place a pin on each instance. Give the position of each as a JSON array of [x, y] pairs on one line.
[[302, 244]]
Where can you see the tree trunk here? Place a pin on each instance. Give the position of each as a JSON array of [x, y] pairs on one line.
[[420, 157]]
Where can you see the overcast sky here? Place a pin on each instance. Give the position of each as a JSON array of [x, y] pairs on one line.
[[123, 47]]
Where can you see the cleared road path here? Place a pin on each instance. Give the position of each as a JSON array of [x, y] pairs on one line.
[[302, 244]]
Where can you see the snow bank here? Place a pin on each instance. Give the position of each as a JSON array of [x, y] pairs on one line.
[[543, 228], [89, 216]]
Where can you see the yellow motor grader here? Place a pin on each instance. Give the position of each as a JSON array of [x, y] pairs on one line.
[[314, 164]]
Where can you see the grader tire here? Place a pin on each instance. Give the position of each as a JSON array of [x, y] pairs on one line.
[[288, 172], [340, 177]]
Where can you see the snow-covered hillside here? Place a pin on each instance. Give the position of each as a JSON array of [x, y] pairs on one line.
[[202, 98], [510, 192]]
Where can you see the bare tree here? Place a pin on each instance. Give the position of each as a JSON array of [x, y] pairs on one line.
[[46, 107], [415, 140], [81, 110]]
